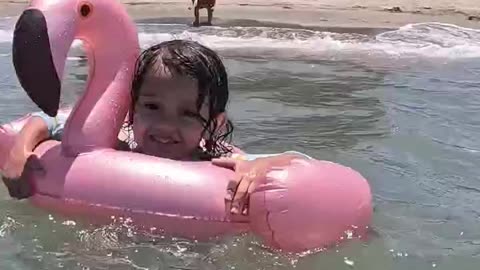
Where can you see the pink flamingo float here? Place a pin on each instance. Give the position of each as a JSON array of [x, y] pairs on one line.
[[306, 205]]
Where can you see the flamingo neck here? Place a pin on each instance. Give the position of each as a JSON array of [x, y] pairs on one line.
[[100, 113]]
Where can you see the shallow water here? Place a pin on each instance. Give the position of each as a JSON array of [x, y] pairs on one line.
[[400, 107]]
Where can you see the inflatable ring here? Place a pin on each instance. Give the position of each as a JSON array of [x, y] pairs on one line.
[[307, 204]]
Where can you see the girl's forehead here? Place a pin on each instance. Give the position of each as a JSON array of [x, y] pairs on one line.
[[161, 82], [164, 77], [160, 72], [176, 89]]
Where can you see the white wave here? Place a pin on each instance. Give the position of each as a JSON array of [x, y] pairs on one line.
[[431, 40], [5, 36]]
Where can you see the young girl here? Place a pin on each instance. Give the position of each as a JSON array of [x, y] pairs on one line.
[[179, 97]]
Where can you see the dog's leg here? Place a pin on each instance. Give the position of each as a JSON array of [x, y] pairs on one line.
[[196, 13], [210, 15]]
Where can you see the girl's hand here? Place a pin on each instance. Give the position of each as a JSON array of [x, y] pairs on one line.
[[21, 160], [33, 132], [248, 175], [17, 158], [16, 172]]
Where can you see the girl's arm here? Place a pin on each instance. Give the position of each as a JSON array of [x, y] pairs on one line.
[[38, 128], [33, 132], [250, 170]]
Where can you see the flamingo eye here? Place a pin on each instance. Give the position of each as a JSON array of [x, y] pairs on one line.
[[85, 9]]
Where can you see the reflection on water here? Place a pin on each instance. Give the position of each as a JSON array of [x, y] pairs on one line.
[[310, 111]]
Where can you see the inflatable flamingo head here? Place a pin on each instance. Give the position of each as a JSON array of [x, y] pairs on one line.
[[46, 30]]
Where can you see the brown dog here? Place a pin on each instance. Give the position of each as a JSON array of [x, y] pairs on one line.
[[199, 4]]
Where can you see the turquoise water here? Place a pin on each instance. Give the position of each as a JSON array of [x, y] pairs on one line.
[[401, 107]]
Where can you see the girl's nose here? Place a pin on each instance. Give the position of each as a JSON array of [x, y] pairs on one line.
[[165, 126]]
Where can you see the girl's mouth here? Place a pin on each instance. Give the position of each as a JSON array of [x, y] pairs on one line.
[[162, 140]]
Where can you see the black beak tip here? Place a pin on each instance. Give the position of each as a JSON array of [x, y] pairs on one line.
[[33, 61], [50, 111]]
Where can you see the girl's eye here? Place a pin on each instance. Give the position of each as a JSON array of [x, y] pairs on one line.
[[190, 114], [193, 115], [151, 106]]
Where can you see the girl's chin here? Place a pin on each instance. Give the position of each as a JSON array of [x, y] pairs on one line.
[[161, 153]]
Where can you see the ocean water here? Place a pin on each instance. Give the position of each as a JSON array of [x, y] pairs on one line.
[[401, 107]]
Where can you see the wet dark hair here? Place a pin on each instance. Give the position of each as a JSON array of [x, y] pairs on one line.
[[189, 58]]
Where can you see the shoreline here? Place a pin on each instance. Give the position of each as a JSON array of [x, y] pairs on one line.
[[330, 14]]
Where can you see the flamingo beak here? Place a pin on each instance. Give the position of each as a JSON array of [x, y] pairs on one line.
[[34, 63]]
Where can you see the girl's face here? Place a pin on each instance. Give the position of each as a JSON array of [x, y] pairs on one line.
[[166, 121]]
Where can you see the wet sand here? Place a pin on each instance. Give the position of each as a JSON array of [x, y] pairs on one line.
[[303, 13]]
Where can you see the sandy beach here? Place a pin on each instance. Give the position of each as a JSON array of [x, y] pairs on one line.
[[304, 13]]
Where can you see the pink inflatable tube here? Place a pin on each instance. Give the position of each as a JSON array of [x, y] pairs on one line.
[[306, 205]]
